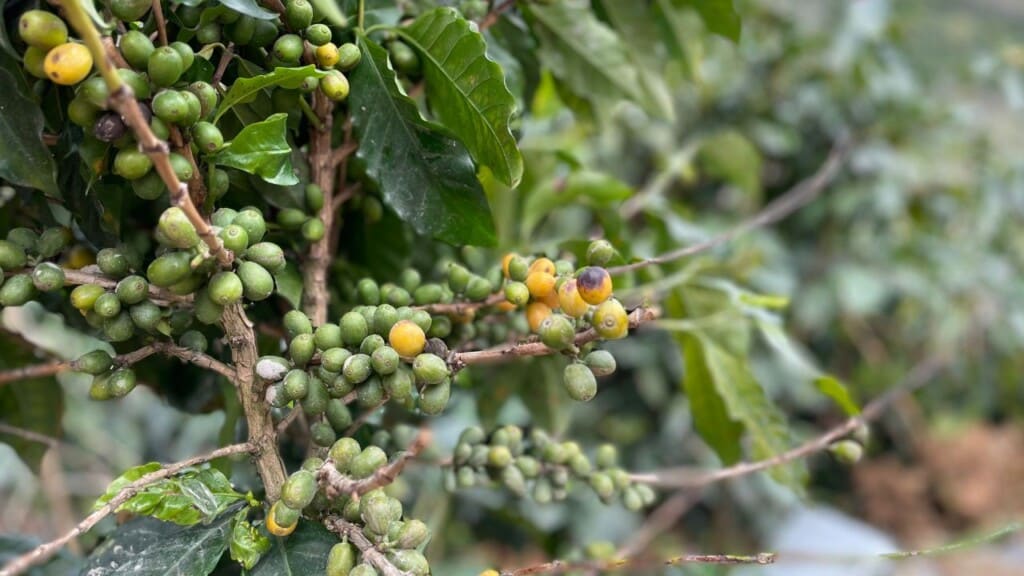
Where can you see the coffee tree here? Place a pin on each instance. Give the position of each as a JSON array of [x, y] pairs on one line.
[[317, 202]]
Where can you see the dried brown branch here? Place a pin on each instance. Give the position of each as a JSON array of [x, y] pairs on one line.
[[688, 478], [462, 308], [336, 484], [533, 347], [44, 551], [369, 552], [323, 169], [797, 197]]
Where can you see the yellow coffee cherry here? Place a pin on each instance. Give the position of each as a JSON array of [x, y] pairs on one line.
[[407, 338], [594, 284], [540, 283], [490, 573], [327, 55], [552, 299], [536, 312], [570, 301], [276, 529], [68, 64], [543, 265], [505, 262], [610, 320]]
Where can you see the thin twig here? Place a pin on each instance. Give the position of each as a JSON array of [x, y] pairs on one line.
[[44, 551], [284, 424], [336, 484], [492, 17], [161, 24], [362, 418], [222, 65], [29, 435], [533, 347], [369, 552], [662, 518], [689, 478], [562, 566], [113, 53], [462, 308], [798, 196]]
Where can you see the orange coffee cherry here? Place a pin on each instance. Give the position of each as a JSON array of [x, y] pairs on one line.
[[536, 312], [543, 265], [540, 284], [594, 284]]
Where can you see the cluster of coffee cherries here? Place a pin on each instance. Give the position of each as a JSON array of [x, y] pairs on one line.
[[541, 467], [24, 247], [380, 516]]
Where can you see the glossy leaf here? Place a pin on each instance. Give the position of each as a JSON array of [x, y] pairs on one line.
[[24, 159], [375, 12], [35, 404], [466, 89], [305, 551], [247, 544], [262, 149], [250, 8], [246, 89], [426, 176], [289, 284], [186, 499], [719, 16], [587, 55], [148, 547], [835, 389]]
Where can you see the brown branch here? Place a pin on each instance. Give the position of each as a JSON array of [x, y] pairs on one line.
[[262, 433], [161, 24], [533, 347], [222, 65], [346, 194], [369, 552], [29, 435], [345, 190], [562, 566], [492, 17], [284, 424], [689, 478], [797, 197], [340, 155], [462, 308], [123, 101], [44, 551], [36, 371], [362, 418], [322, 172], [336, 485], [113, 53]]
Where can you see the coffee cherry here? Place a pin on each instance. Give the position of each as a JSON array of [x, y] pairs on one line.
[[385, 360], [364, 464], [600, 362], [540, 283], [288, 48], [207, 137], [145, 315], [295, 385], [370, 393], [847, 451], [277, 511], [334, 85], [108, 305], [610, 320], [12, 256], [291, 218], [257, 283], [48, 277], [169, 269], [341, 559], [263, 34], [579, 382], [67, 64], [165, 66], [314, 196], [53, 241], [172, 107], [430, 369], [82, 113], [95, 362], [600, 252], [427, 294], [298, 14], [42, 30], [594, 284], [94, 90], [34, 60], [316, 401], [357, 368], [268, 255], [399, 384], [99, 389], [384, 317], [343, 452], [139, 84], [235, 238], [226, 288], [348, 56], [108, 127], [223, 217], [557, 332], [407, 338], [136, 48], [177, 229], [326, 55], [193, 340], [410, 562], [252, 221], [129, 10], [570, 301], [404, 58], [607, 456], [131, 164], [368, 291], [317, 34], [313, 229], [353, 328], [83, 297], [17, 290], [536, 313], [24, 237], [295, 323], [301, 349], [186, 53], [542, 265], [478, 288], [207, 96]]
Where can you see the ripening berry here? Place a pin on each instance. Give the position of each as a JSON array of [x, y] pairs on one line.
[[557, 332], [536, 313], [505, 261], [600, 252], [41, 29], [540, 283], [594, 284], [610, 320], [34, 60], [334, 85], [570, 301], [326, 55], [278, 512]]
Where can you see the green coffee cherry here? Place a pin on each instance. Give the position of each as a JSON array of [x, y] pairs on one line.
[[288, 48], [313, 229], [295, 385], [328, 335], [607, 456], [367, 462], [107, 305], [207, 311], [430, 369], [268, 255], [384, 317], [517, 293], [334, 358], [353, 328], [314, 198], [112, 262], [335, 85], [338, 415], [478, 288], [131, 164], [410, 561], [150, 186], [357, 368], [602, 485], [165, 66], [132, 290], [600, 253], [95, 362], [370, 393], [284, 515], [12, 256], [145, 315], [24, 237], [53, 241], [399, 384], [315, 402], [207, 96], [295, 323], [557, 332], [385, 360], [499, 456], [298, 14], [342, 558], [136, 48], [579, 382], [600, 362], [129, 10], [235, 238], [48, 277], [367, 289], [207, 137], [371, 343], [301, 349], [404, 58], [847, 451], [225, 288], [344, 452], [100, 388], [181, 166], [223, 217], [413, 534], [186, 53], [291, 218], [318, 34], [177, 229], [376, 514], [42, 29], [257, 283], [348, 56], [193, 340], [434, 399], [121, 382], [252, 221], [298, 491]]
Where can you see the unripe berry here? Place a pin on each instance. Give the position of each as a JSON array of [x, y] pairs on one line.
[[47, 277], [430, 369], [301, 349], [295, 323], [41, 29], [579, 382], [600, 362], [341, 559], [847, 451], [165, 66], [129, 10], [257, 283], [557, 332], [367, 462], [207, 137], [298, 491], [252, 220], [433, 400], [343, 452], [348, 56], [357, 368], [335, 85], [177, 229], [131, 164]]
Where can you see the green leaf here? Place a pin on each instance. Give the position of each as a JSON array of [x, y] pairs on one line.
[[35, 404], [331, 11], [148, 547], [466, 89], [24, 159], [586, 54], [188, 498], [64, 563], [248, 544], [289, 284], [250, 8], [262, 149], [710, 414], [246, 89], [731, 157], [589, 187], [375, 12], [834, 388], [425, 176], [5, 40], [719, 16], [305, 551]]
